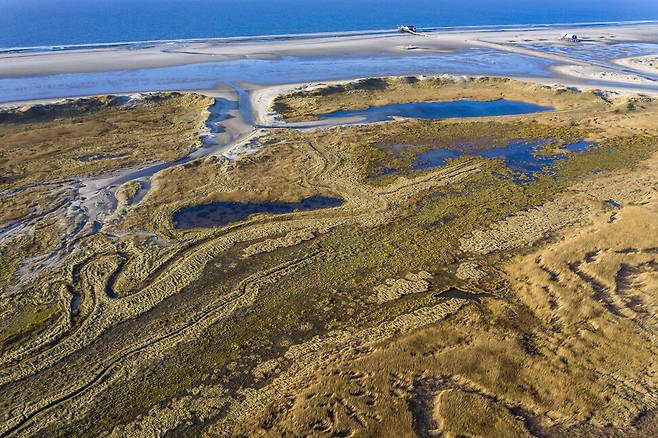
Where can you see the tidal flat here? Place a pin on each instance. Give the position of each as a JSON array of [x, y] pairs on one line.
[[432, 300]]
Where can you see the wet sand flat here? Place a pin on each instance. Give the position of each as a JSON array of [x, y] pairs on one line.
[[196, 65]]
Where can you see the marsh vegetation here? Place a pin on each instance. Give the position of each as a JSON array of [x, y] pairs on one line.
[[440, 299]]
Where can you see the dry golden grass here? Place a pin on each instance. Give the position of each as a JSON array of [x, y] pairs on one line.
[[568, 350], [108, 136], [459, 413]]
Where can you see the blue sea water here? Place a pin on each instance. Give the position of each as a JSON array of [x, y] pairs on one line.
[[37, 23]]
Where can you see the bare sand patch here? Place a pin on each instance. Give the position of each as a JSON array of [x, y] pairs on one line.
[[647, 64]]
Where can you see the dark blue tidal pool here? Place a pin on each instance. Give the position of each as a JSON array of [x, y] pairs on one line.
[[441, 110], [524, 158], [217, 214]]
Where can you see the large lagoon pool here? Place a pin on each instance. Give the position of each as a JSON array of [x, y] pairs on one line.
[[440, 110]]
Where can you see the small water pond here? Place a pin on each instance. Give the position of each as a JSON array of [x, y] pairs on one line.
[[523, 157], [440, 110], [461, 295], [217, 214]]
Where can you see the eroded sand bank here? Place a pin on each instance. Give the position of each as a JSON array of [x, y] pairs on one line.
[[647, 64]]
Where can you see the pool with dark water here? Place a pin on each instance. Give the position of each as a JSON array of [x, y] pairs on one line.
[[217, 214], [523, 157], [462, 295], [440, 110]]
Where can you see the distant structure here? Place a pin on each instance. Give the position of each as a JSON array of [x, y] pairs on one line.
[[407, 28], [573, 37]]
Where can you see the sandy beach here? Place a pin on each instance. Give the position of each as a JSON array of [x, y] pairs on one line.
[[595, 73], [647, 64], [333, 45], [536, 54]]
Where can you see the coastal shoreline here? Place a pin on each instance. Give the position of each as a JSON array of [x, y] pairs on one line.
[[169, 54], [534, 54], [262, 96], [328, 234], [274, 37]]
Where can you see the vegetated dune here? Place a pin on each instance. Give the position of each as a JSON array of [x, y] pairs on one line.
[[309, 102], [453, 300]]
